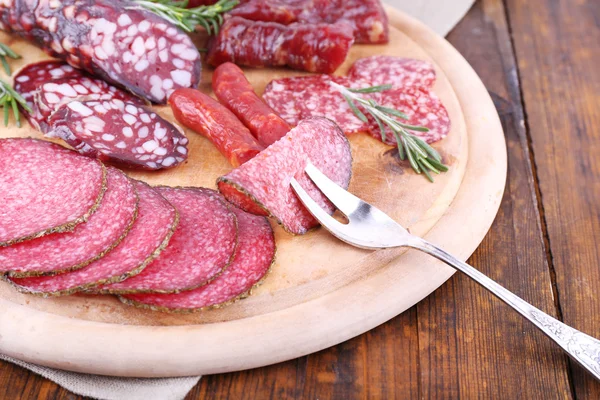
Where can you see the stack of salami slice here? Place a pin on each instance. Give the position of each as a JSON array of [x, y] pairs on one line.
[[70, 224], [98, 119]]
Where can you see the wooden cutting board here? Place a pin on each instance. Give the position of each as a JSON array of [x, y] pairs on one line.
[[320, 291]]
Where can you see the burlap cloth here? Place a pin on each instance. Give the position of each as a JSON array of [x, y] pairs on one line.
[[441, 16]]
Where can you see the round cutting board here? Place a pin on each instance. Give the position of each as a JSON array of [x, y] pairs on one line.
[[320, 291]]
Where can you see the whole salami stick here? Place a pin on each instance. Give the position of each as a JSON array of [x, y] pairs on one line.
[[212, 120], [235, 92], [321, 47], [113, 39]]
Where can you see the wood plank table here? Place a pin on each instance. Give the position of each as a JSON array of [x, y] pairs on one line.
[[539, 60]]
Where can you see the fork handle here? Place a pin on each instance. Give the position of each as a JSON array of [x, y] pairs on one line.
[[583, 348]]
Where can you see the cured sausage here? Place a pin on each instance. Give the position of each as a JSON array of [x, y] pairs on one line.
[[319, 47], [51, 95], [214, 121], [28, 80], [45, 188], [150, 234], [235, 92], [397, 71], [114, 40], [253, 257], [201, 247], [88, 242], [265, 180], [367, 17], [122, 133]]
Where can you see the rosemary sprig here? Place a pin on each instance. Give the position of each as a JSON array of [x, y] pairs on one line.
[[5, 52], [209, 17], [11, 100], [422, 157]]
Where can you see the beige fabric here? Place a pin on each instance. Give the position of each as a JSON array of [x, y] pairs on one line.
[[441, 16]]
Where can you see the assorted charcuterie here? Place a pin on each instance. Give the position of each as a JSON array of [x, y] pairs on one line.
[[40, 194], [69, 224], [253, 258], [214, 121], [61, 252], [115, 40], [235, 92], [264, 182], [320, 47], [124, 134]]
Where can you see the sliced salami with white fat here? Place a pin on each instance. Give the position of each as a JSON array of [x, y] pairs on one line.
[[262, 185], [122, 133], [202, 246], [67, 251], [150, 234], [396, 71], [45, 188], [253, 257]]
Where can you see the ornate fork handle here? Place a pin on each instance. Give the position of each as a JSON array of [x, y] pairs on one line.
[[581, 347]]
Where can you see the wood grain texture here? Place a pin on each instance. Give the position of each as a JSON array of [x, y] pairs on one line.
[[557, 48]]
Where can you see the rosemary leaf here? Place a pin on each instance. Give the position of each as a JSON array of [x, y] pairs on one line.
[[5, 52], [355, 109], [372, 89], [393, 112], [10, 101]]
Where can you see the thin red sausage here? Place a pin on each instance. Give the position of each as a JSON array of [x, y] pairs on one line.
[[214, 121], [235, 92]]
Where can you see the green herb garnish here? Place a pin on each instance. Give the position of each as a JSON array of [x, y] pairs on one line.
[[11, 100], [5, 52], [422, 157], [209, 17]]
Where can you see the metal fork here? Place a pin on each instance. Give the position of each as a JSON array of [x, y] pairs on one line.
[[370, 228]]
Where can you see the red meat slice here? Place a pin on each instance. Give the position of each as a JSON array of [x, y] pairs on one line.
[[150, 234], [397, 71], [253, 257], [265, 180], [28, 81], [124, 134], [69, 251], [45, 188], [201, 247]]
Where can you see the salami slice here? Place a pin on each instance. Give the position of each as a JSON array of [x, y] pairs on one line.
[[253, 257], [397, 71], [61, 252], [201, 247], [233, 90], [265, 179], [45, 188], [28, 81], [124, 134], [308, 47], [150, 234], [51, 95], [115, 40]]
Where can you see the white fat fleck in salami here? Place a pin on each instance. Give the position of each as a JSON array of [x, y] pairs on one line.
[[253, 257], [53, 94], [397, 71], [28, 81], [201, 247], [45, 188], [150, 234], [67, 251], [118, 132], [265, 179]]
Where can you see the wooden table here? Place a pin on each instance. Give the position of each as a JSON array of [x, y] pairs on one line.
[[539, 60]]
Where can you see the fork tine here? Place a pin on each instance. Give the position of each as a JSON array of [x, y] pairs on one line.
[[323, 217], [344, 201]]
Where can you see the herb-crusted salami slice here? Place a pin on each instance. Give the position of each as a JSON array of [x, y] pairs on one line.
[[253, 257], [28, 81], [51, 95], [45, 188], [265, 180], [396, 71], [90, 241], [150, 234], [201, 247], [122, 133]]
